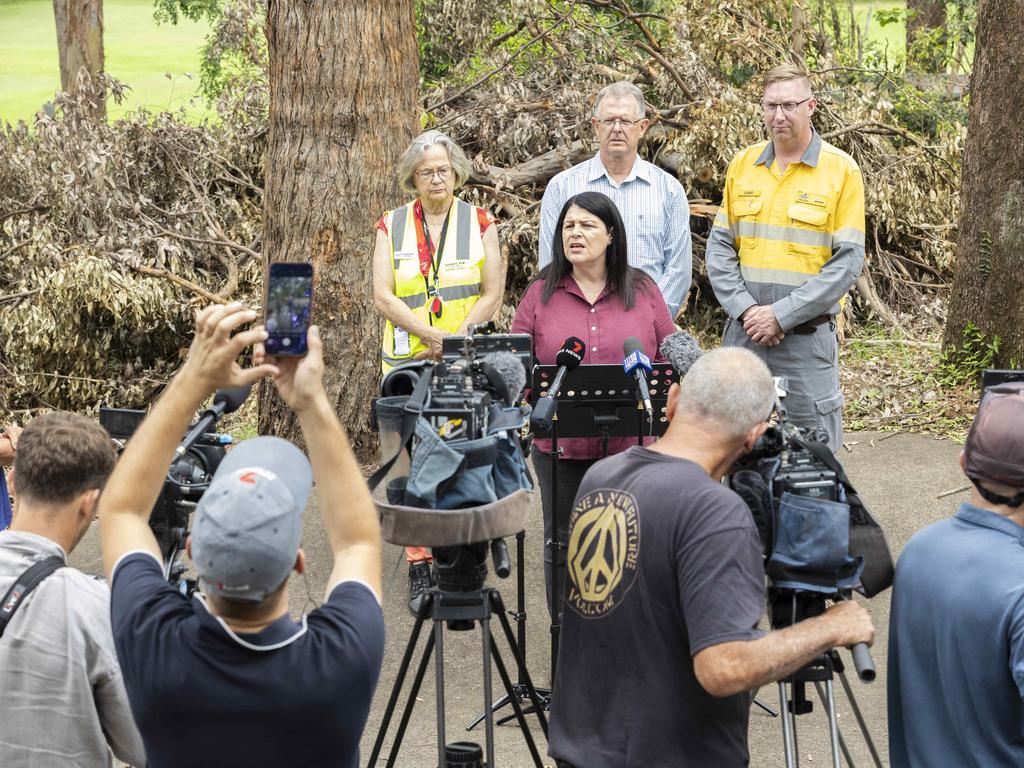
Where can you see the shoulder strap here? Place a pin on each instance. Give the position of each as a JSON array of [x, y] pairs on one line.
[[24, 584]]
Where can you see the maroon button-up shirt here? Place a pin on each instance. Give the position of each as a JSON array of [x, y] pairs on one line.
[[604, 326]]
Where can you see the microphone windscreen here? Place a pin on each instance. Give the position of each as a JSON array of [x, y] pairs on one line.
[[631, 345], [682, 350], [232, 398], [510, 369], [571, 354]]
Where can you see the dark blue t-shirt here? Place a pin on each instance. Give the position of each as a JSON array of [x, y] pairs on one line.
[[663, 562], [295, 694], [956, 645]]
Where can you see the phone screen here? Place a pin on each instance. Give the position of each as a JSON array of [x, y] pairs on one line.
[[288, 308]]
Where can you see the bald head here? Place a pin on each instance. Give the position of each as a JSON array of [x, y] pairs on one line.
[[728, 389]]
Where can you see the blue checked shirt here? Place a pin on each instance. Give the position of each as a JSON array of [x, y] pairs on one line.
[[654, 209]]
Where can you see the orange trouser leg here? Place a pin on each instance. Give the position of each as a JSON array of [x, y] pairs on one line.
[[416, 554]]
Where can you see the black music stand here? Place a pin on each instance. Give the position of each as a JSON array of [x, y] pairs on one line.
[[594, 401]]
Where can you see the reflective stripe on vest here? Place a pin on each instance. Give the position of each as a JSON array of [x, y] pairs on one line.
[[461, 268]]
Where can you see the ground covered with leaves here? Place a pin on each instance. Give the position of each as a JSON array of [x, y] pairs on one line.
[[111, 233]]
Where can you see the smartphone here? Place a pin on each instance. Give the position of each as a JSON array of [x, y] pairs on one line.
[[288, 308]]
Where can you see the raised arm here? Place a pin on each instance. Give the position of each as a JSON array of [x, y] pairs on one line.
[[135, 484], [350, 516]]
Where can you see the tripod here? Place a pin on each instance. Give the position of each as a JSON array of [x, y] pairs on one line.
[[593, 401], [788, 607], [460, 610]]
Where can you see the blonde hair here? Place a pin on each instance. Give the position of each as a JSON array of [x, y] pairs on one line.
[[412, 157], [784, 73]]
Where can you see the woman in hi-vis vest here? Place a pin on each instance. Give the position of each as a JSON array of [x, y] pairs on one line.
[[437, 269]]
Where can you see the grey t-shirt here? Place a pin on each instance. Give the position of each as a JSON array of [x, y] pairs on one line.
[[662, 563], [63, 698]]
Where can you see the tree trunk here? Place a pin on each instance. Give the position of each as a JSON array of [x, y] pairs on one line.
[[988, 287], [344, 80], [923, 18], [80, 44]]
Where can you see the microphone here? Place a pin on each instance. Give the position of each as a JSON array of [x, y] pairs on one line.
[[639, 364], [505, 372], [224, 401], [682, 350], [568, 359]]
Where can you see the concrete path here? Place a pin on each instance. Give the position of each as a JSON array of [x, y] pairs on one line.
[[899, 476]]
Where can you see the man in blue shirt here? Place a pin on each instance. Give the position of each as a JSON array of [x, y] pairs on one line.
[[652, 202], [956, 634], [231, 679]]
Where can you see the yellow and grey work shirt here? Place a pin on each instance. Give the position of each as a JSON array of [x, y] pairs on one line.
[[794, 240]]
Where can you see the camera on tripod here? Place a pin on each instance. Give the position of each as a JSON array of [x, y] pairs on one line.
[[195, 460]]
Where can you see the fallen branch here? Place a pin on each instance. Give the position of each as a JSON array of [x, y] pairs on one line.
[[13, 248], [166, 275], [683, 87], [537, 170], [15, 296], [901, 342]]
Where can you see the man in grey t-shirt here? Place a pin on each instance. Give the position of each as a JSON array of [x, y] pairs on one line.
[[666, 586], [64, 701]]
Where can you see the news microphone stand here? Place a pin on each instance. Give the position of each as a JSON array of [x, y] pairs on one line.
[[593, 401]]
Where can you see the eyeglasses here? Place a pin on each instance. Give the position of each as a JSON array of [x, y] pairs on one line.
[[441, 173], [789, 107], [610, 122]]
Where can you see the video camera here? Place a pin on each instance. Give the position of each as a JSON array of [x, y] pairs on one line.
[[195, 460], [820, 541]]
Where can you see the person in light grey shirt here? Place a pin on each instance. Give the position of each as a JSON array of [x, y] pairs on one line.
[[652, 203], [63, 699]]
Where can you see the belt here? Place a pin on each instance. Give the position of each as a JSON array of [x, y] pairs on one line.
[[811, 326]]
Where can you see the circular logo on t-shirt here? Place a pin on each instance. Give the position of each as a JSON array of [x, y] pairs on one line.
[[603, 550]]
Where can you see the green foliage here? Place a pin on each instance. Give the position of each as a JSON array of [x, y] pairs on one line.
[[964, 364], [172, 10]]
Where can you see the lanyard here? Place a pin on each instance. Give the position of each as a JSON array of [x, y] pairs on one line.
[[436, 255]]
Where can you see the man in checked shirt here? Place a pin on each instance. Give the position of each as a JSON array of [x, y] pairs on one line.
[[786, 246]]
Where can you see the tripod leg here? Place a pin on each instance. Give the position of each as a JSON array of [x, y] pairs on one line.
[[485, 632], [521, 603], [520, 716], [788, 748], [407, 712], [520, 658], [829, 700], [439, 685], [872, 749], [403, 669]]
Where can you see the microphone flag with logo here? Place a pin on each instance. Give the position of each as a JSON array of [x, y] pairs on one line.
[[567, 359], [639, 365]]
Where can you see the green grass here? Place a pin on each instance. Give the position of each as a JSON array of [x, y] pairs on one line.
[[138, 52]]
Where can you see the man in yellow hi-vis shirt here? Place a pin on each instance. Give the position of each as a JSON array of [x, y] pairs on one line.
[[787, 244]]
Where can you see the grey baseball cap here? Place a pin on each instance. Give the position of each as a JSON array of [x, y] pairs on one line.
[[247, 526]]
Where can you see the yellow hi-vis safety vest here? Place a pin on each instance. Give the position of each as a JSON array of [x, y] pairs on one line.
[[460, 266]]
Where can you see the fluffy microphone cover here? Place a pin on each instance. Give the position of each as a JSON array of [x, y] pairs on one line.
[[682, 350], [510, 369]]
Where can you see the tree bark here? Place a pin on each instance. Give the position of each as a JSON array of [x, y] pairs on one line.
[[80, 44], [988, 287], [343, 107], [923, 18]]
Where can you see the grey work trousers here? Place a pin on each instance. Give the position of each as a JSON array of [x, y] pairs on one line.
[[811, 364]]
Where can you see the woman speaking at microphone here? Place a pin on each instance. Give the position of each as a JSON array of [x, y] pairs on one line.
[[588, 291]]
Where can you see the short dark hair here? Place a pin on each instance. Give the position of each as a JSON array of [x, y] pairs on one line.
[[621, 277], [61, 455]]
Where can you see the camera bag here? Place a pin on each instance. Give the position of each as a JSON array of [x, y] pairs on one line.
[[867, 539]]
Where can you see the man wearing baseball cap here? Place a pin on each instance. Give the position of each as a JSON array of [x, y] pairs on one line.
[[956, 634], [229, 678]]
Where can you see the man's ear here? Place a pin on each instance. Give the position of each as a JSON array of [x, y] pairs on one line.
[[753, 435], [300, 561], [673, 400], [188, 546], [87, 505]]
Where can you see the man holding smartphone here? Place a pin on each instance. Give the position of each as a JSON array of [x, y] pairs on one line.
[[232, 673]]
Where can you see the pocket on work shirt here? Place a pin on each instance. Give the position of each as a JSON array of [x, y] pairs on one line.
[[809, 226]]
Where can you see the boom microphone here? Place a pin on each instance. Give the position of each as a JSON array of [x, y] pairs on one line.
[[682, 350], [505, 372], [639, 364], [568, 359]]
